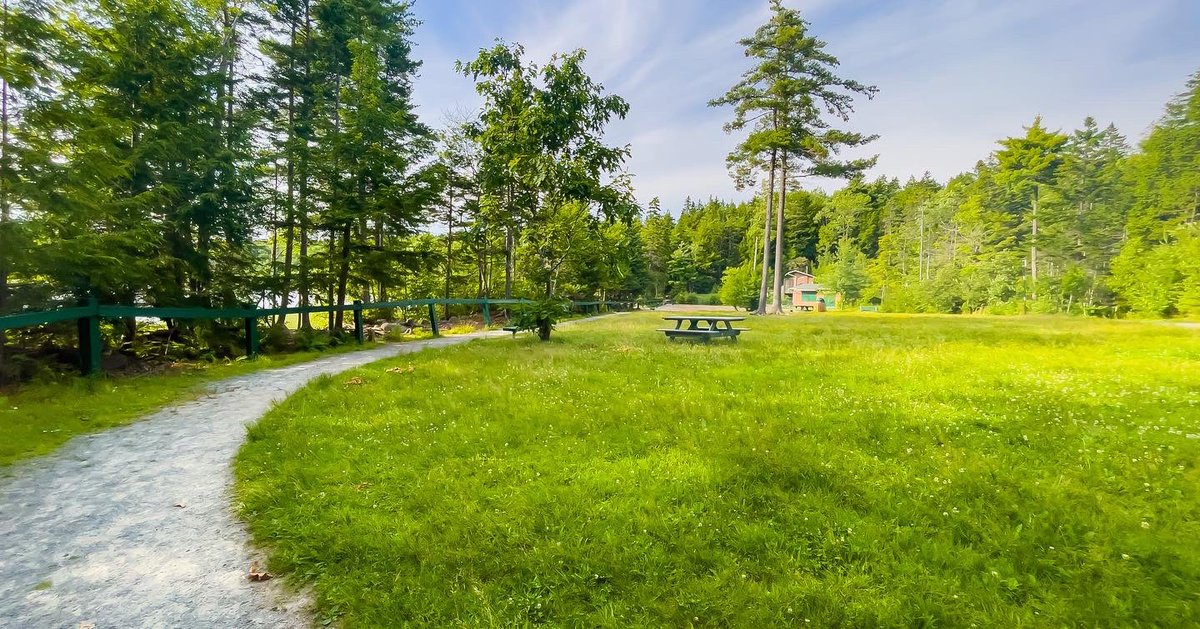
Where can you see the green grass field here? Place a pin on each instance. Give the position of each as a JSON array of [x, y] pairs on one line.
[[828, 470]]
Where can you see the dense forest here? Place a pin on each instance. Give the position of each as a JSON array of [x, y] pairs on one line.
[[1051, 221], [187, 152], [213, 153]]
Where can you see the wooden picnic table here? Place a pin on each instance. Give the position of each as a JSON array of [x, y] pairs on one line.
[[703, 327]]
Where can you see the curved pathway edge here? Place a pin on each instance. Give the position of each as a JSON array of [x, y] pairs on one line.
[[133, 526]]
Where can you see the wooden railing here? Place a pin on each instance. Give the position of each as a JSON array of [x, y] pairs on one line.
[[88, 316]]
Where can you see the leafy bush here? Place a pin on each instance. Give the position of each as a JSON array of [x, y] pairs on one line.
[[738, 287], [311, 339], [541, 315], [275, 338], [701, 299], [218, 340]]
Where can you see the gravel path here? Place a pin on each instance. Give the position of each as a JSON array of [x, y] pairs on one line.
[[132, 527]]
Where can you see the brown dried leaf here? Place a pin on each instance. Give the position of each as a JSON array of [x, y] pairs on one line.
[[407, 369], [87, 625], [355, 381], [181, 505], [258, 575]]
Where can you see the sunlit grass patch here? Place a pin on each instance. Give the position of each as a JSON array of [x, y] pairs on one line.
[[844, 469]]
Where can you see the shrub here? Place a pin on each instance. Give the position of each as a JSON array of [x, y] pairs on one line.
[[311, 339], [738, 287], [275, 338], [541, 315]]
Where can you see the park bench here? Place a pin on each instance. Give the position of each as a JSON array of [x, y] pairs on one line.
[[511, 328], [703, 327]]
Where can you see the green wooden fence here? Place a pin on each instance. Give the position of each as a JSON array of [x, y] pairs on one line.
[[88, 316]]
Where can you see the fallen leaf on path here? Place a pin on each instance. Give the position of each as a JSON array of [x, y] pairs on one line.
[[258, 575], [181, 504], [87, 625]]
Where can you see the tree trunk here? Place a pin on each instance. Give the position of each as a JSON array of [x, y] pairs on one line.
[[766, 254], [754, 257], [303, 288], [343, 276], [481, 272], [332, 278], [5, 202], [335, 320], [510, 243], [1033, 251], [275, 221], [305, 284], [921, 245], [777, 304], [285, 288], [449, 254]]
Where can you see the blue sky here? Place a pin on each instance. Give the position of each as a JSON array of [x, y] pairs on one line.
[[954, 75]]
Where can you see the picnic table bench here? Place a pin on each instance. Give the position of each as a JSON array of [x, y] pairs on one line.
[[703, 327]]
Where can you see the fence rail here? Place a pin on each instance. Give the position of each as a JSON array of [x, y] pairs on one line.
[[88, 317]]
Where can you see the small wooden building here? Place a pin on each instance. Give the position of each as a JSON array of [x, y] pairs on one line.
[[804, 289]]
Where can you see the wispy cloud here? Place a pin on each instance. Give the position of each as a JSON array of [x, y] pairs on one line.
[[954, 75]]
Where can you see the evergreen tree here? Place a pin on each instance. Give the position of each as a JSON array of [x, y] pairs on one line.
[[790, 91], [1025, 167], [658, 234], [1156, 272]]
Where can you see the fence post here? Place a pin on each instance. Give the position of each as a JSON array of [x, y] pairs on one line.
[[359, 334], [251, 325], [89, 338], [433, 322], [487, 314]]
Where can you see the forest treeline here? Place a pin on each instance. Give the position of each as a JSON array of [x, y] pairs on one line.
[[1051, 221], [213, 153]]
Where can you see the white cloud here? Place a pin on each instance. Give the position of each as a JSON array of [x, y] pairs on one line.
[[954, 75]]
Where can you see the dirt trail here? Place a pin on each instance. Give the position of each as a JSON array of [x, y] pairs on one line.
[[132, 527]]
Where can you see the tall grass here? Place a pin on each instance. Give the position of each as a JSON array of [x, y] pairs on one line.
[[831, 470]]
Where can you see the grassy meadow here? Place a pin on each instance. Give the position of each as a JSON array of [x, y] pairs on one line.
[[828, 470]]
